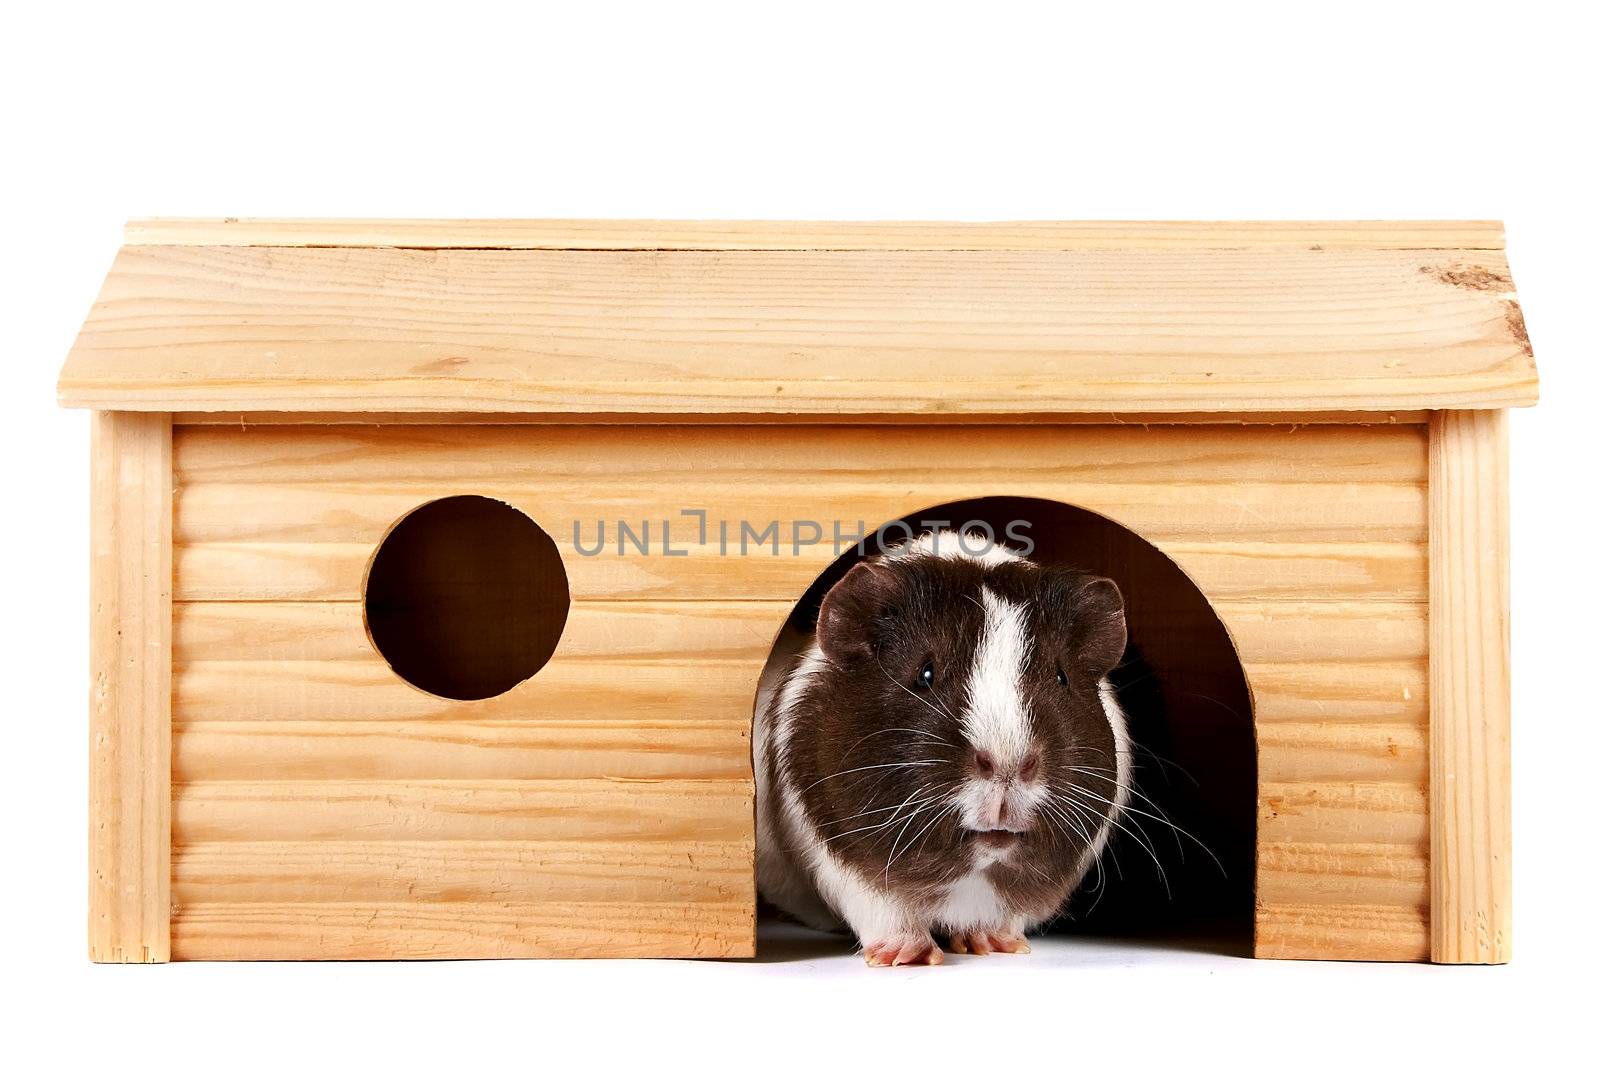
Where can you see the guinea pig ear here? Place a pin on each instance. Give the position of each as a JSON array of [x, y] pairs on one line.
[[1102, 626], [1097, 630], [847, 624]]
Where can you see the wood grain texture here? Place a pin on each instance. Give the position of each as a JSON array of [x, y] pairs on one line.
[[294, 513], [1341, 931], [638, 460], [649, 235], [1471, 687], [1275, 514], [681, 659], [501, 869], [464, 871], [1341, 866], [600, 688], [680, 811], [892, 335], [130, 687], [1338, 751], [1338, 571], [605, 633], [1347, 633], [1338, 813], [494, 930], [1386, 875], [1372, 691], [433, 899], [1342, 901], [477, 750], [290, 730]]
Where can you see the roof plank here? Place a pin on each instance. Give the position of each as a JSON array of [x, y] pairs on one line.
[[860, 335]]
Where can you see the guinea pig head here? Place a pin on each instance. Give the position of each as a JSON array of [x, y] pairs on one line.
[[961, 710]]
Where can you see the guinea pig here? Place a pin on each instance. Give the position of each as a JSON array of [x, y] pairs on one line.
[[945, 758]]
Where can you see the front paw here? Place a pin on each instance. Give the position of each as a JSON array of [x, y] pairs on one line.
[[987, 941], [909, 949]]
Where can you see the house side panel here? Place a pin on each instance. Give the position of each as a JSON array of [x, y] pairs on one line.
[[313, 788]]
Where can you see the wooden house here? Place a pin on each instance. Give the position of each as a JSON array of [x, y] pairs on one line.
[[434, 567]]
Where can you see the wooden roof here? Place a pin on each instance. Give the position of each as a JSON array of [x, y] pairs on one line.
[[742, 320]]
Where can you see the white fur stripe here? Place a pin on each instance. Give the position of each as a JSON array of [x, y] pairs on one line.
[[996, 718], [1118, 720], [872, 914], [951, 544]]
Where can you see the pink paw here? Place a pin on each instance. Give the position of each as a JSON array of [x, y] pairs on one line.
[[917, 949], [985, 941]]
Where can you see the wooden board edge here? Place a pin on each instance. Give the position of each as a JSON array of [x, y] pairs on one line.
[[799, 235], [1469, 686], [130, 701], [363, 930], [1402, 951], [245, 419], [668, 406]]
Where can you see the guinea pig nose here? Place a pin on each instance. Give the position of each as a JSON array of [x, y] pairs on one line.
[[984, 763], [1029, 768]]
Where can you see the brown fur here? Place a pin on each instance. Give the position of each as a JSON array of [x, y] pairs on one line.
[[879, 626]]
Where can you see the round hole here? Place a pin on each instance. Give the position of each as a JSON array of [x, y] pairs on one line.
[[466, 597]]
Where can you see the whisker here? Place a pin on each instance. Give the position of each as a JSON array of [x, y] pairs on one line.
[[1232, 710], [863, 813], [923, 833], [1099, 864], [1160, 816], [875, 766], [1164, 764], [887, 821], [1149, 849], [895, 729], [1130, 827], [893, 848], [1071, 815], [949, 809]]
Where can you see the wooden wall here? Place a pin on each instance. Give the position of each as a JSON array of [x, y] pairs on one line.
[[323, 808]]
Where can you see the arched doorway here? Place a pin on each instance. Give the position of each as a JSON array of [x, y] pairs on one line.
[[1190, 715]]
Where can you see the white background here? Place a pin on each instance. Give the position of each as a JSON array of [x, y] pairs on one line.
[[807, 110]]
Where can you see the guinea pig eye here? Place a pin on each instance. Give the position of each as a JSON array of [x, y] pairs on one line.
[[925, 676], [1061, 676]]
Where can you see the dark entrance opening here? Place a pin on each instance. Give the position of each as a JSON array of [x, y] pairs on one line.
[[1189, 712]]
